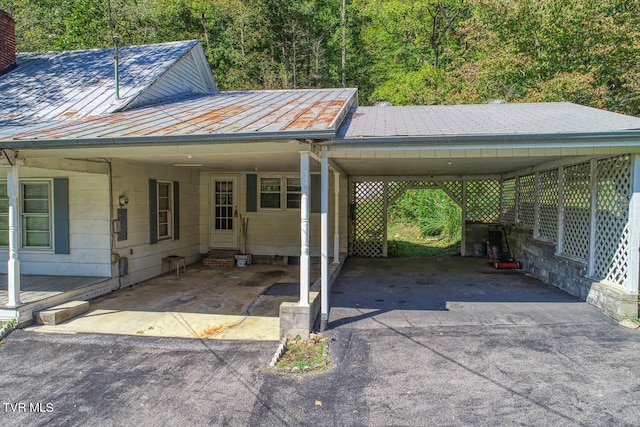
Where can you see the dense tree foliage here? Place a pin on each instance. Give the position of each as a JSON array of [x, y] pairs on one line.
[[401, 51]]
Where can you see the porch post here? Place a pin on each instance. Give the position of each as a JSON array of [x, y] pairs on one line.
[[324, 239], [463, 237], [633, 279], [13, 265], [593, 216], [560, 242], [336, 218], [304, 229]]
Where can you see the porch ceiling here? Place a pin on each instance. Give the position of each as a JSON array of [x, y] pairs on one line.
[[437, 166], [285, 157]]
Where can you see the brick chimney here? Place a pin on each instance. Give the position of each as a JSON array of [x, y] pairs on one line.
[[7, 42]]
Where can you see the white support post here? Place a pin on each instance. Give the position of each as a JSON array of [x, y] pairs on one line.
[[516, 207], [304, 229], [593, 214], [463, 237], [536, 207], [13, 265], [633, 279], [324, 239], [336, 218], [560, 242], [385, 199]]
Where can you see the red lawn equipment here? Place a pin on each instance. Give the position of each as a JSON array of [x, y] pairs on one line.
[[498, 258]]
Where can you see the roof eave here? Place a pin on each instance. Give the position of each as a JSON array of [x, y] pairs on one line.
[[561, 140], [204, 139]]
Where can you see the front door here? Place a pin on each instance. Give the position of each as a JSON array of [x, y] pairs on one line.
[[224, 212]]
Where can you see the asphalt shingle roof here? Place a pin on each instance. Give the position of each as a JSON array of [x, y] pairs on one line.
[[484, 119]]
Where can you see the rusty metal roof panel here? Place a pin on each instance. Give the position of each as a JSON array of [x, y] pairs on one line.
[[228, 115], [75, 84]]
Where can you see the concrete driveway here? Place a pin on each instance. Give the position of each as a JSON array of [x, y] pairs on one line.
[[415, 342], [204, 302]]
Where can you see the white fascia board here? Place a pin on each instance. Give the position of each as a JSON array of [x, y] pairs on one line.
[[467, 142]]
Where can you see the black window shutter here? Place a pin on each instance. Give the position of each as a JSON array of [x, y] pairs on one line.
[[153, 211], [176, 210], [61, 215], [252, 192], [316, 193]]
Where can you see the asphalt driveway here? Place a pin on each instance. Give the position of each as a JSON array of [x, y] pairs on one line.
[[415, 342]]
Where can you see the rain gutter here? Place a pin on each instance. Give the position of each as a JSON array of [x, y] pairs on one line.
[[230, 138], [627, 138]]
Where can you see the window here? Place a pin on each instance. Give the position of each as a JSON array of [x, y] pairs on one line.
[[36, 215], [4, 215], [294, 191], [270, 197], [43, 211], [165, 208], [277, 192]]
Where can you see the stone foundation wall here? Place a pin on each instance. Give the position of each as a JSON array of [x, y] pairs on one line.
[[539, 259]]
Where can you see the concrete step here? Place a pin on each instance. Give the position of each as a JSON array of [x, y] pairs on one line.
[[60, 313]]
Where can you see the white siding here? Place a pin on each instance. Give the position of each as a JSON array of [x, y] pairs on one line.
[[90, 222], [277, 232], [182, 78], [88, 229], [132, 179]]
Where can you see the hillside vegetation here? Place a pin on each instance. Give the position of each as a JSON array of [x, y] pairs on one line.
[[406, 52]]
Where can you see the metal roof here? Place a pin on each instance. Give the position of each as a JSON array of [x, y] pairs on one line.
[[312, 113], [73, 84], [486, 120]]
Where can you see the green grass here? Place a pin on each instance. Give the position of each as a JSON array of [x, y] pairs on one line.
[[406, 240], [306, 355], [424, 223]]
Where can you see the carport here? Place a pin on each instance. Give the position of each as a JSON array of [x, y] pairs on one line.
[[564, 179]]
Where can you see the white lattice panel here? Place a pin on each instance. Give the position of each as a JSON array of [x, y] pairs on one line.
[[395, 189], [508, 208], [577, 208], [483, 200], [368, 221], [612, 219], [526, 201], [454, 187], [547, 226]]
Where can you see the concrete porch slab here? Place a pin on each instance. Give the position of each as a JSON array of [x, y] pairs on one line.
[[204, 303]]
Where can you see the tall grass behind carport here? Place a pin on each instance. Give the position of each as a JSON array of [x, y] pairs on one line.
[[424, 223]]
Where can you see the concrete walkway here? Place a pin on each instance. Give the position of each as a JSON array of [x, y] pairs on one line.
[[212, 303]]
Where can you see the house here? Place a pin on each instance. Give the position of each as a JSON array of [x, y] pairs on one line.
[[113, 166]]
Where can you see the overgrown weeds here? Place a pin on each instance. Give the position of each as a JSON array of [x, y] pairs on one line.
[[302, 356]]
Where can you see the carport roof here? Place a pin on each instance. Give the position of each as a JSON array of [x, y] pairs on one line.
[[481, 122]]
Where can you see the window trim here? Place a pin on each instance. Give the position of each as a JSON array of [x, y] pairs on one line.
[[169, 211], [284, 193], [260, 192], [24, 215]]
